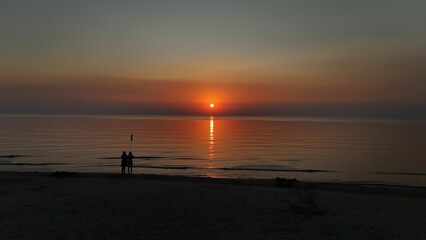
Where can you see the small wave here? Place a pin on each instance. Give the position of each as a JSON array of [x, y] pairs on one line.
[[233, 169], [32, 164], [150, 157], [168, 167], [402, 173], [14, 156], [186, 158], [151, 166], [259, 169], [290, 160], [143, 157], [276, 170]]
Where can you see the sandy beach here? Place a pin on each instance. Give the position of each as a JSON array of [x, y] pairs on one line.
[[111, 206]]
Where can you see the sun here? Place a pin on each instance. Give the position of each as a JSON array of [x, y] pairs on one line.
[[211, 105]]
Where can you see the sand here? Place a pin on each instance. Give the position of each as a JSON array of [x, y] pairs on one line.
[[111, 206]]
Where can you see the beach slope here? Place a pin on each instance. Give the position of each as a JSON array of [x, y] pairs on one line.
[[111, 206]]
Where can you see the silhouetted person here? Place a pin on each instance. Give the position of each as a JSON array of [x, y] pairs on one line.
[[123, 162], [130, 163], [131, 137]]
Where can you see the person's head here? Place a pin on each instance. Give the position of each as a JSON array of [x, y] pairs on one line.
[[130, 152], [124, 152]]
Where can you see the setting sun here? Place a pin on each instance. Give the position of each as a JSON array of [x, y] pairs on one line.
[[211, 105]]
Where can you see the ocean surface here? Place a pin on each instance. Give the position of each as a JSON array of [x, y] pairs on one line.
[[309, 149]]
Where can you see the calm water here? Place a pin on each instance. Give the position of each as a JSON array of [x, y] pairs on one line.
[[307, 149]]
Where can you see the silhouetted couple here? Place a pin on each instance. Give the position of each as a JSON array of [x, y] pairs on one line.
[[127, 161]]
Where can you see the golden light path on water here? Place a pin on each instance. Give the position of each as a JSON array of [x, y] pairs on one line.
[[211, 163], [211, 139]]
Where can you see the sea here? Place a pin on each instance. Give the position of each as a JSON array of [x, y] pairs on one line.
[[345, 150]]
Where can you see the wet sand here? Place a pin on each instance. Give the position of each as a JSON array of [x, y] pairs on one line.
[[111, 206]]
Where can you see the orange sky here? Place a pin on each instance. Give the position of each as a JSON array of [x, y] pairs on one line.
[[193, 97]]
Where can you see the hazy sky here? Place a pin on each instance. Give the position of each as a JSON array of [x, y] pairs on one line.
[[361, 58]]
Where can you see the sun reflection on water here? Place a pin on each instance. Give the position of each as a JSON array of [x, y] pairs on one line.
[[211, 139]]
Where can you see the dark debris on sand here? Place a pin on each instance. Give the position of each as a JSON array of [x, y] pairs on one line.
[[284, 182]]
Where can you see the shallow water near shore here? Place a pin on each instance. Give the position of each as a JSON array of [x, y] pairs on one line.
[[310, 149]]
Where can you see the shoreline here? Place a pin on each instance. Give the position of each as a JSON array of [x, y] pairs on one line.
[[349, 187]]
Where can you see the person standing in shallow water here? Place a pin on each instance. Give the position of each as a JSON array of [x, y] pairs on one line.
[[123, 162], [130, 163]]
